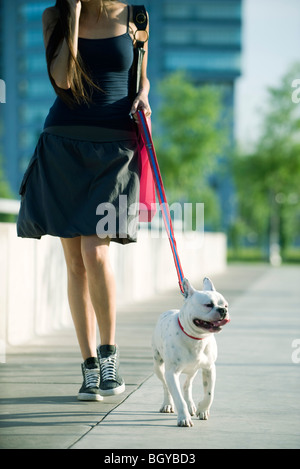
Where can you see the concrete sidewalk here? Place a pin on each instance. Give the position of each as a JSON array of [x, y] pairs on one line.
[[258, 378]]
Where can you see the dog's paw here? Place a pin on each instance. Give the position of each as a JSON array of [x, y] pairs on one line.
[[184, 419], [167, 409], [192, 408], [203, 414], [185, 422]]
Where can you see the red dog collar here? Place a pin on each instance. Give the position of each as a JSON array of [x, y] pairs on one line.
[[180, 325]]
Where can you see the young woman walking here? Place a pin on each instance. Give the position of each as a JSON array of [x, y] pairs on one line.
[[87, 156]]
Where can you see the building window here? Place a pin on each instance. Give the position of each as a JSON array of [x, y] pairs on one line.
[[31, 38], [33, 11], [223, 35], [207, 61], [27, 140], [220, 10], [33, 64], [180, 35], [33, 115], [203, 35], [177, 11], [209, 9], [35, 88]]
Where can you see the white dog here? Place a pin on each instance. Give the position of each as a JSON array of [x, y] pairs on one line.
[[183, 342]]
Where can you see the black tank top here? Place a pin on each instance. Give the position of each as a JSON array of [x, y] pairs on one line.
[[108, 62]]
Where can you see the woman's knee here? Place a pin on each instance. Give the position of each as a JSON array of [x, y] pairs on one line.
[[76, 267], [95, 252], [73, 257]]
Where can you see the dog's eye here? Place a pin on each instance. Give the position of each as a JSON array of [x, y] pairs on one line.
[[209, 305]]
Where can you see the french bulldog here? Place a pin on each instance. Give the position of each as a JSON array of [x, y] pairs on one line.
[[183, 342]]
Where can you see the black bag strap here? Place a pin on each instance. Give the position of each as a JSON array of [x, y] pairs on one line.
[[140, 19]]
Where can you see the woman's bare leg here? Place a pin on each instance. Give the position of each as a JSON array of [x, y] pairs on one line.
[[91, 287], [101, 282], [81, 306]]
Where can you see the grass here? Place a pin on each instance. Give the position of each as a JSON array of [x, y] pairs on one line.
[[257, 254]]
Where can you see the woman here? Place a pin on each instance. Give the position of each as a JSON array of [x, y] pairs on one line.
[[86, 157]]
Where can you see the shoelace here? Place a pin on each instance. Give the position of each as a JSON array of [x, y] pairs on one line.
[[92, 377], [108, 368]]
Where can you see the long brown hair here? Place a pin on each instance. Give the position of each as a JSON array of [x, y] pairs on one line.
[[81, 85]]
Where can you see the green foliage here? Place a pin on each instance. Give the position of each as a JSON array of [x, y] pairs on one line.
[[189, 136], [5, 192], [267, 179]]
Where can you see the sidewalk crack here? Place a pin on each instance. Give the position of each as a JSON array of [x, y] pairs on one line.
[[111, 410]]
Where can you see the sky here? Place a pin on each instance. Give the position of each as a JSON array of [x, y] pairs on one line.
[[271, 44]]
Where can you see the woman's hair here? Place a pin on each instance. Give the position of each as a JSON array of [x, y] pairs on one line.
[[81, 84]]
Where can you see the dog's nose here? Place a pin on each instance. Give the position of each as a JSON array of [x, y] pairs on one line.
[[222, 312]]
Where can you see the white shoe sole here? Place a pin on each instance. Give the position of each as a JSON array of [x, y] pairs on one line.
[[89, 397], [112, 392]]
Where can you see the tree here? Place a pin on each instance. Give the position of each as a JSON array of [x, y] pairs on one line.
[[267, 179], [189, 136]]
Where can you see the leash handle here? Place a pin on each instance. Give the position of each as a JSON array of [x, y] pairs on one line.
[[146, 135]]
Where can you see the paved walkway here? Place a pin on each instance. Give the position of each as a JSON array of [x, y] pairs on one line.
[[256, 404]]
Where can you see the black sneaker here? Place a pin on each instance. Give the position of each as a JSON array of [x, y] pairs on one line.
[[89, 390], [111, 383]]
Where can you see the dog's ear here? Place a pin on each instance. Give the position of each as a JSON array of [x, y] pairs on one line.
[[188, 289], [208, 285]]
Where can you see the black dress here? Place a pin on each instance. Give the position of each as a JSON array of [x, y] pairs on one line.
[[83, 178]]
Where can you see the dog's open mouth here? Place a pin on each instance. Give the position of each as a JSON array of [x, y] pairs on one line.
[[214, 326]]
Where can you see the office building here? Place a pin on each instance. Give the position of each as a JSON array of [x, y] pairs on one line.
[[28, 91]]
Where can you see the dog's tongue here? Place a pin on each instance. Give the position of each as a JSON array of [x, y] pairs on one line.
[[220, 323]]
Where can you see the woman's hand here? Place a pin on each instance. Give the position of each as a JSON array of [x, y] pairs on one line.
[[141, 103]]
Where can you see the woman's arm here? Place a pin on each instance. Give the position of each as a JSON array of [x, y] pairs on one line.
[[141, 102], [59, 65]]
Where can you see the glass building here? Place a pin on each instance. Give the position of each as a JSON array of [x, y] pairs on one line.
[[202, 37], [28, 90]]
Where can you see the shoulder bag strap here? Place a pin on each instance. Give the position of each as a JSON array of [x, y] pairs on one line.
[[140, 19]]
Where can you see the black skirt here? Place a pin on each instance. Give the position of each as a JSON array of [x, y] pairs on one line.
[[81, 185]]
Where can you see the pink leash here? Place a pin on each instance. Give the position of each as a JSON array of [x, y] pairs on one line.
[[147, 138]]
